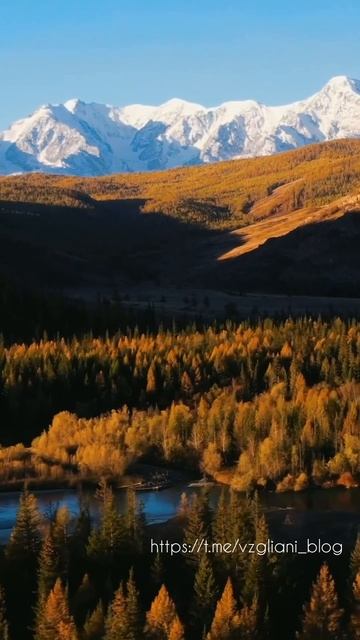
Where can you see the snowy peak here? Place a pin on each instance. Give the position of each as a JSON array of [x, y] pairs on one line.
[[94, 139], [341, 84]]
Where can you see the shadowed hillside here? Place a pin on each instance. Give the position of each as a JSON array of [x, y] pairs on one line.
[[257, 225]]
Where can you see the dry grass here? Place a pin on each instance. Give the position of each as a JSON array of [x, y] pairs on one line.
[[278, 226]]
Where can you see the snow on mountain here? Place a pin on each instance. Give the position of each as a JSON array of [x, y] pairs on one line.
[[94, 139]]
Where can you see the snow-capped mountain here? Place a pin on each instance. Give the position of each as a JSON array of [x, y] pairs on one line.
[[93, 139]]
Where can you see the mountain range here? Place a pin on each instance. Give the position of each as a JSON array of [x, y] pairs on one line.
[[90, 139]]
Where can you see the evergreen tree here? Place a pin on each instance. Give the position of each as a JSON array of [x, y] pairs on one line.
[[322, 614], [161, 615], [21, 554], [61, 538], [47, 575], [48, 567], [4, 627], [25, 540], [94, 627], [133, 609], [134, 521], [123, 621], [222, 531], [117, 623], [256, 571], [221, 522], [81, 532], [226, 618], [107, 541], [205, 593], [56, 623], [198, 525]]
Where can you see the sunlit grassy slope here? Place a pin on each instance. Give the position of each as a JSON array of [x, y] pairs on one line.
[[224, 195]]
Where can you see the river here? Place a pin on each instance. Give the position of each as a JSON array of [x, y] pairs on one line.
[[333, 514]]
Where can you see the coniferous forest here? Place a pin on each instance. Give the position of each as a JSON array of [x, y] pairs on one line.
[[260, 406], [68, 578]]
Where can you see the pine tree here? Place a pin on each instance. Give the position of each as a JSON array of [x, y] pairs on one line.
[[61, 538], [80, 536], [161, 615], [24, 543], [257, 567], [322, 614], [133, 609], [226, 616], [107, 541], [47, 575], [205, 593], [56, 623], [355, 616], [94, 627], [4, 627], [134, 521], [198, 525], [48, 567], [220, 523], [117, 623]]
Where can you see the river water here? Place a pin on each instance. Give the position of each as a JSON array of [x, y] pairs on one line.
[[332, 514]]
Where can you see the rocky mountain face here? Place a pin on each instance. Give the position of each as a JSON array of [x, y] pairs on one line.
[[78, 138]]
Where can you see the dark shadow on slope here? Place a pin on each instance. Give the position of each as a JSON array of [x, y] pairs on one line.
[[320, 259], [113, 244]]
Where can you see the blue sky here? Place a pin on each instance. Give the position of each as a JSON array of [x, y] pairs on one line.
[[122, 51]]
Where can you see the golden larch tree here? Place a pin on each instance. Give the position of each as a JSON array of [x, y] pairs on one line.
[[322, 615], [56, 623], [161, 615], [226, 616], [176, 631]]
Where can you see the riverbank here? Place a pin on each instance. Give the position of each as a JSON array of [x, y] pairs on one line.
[[333, 515], [138, 475], [289, 483]]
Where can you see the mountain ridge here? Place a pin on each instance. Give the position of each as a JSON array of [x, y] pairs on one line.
[[92, 139]]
